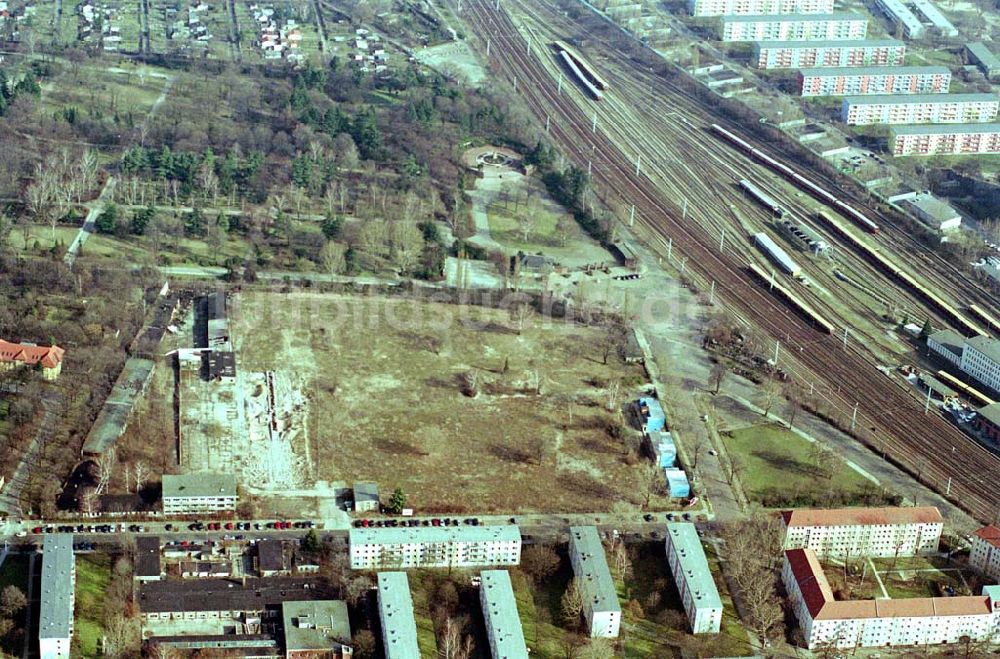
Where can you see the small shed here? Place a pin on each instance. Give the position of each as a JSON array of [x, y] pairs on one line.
[[664, 448], [366, 497], [651, 413], [677, 483]]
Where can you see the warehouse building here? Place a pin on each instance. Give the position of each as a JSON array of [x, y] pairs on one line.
[[503, 625], [933, 212], [686, 558], [823, 27], [434, 546], [978, 54], [947, 344], [395, 613], [985, 553], [944, 139], [877, 532], [826, 81], [366, 497], [919, 109], [197, 493], [600, 600], [899, 14], [758, 7], [987, 421], [883, 623], [148, 566], [802, 54], [58, 590]]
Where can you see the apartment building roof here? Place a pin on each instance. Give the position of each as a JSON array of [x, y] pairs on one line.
[[56, 619], [794, 18], [498, 598], [874, 70], [315, 625], [694, 565], [861, 516], [595, 578], [947, 129], [399, 628], [30, 354], [983, 55], [990, 534], [915, 99], [198, 484], [808, 573], [829, 43], [414, 535], [147, 556]]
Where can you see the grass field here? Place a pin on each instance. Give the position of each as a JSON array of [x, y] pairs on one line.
[[777, 462], [388, 395], [14, 572], [93, 575]]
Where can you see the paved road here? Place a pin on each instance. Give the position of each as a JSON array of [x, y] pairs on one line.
[[10, 497], [89, 222]]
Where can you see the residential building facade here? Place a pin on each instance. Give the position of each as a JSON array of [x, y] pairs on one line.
[[758, 7], [434, 546], [883, 623], [804, 54], [872, 532], [981, 360], [47, 359], [503, 625], [920, 109], [601, 610], [835, 81], [197, 493], [985, 553], [58, 592], [944, 139], [395, 613], [688, 564], [824, 27]]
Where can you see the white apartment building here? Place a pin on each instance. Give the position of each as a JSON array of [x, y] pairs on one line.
[[985, 554], [758, 7], [919, 109], [198, 493], [55, 624], [897, 12], [864, 531], [590, 566], [434, 546], [803, 54], [883, 623], [836, 81], [944, 139], [981, 360], [825, 27], [686, 558], [395, 613], [503, 625]]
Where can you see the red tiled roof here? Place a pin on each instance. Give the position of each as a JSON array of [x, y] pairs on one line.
[[808, 573], [31, 355], [860, 516], [990, 534]]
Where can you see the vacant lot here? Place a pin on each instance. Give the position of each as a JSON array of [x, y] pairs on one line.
[[779, 468], [452, 403]]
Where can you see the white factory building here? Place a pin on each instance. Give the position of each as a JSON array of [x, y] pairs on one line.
[[434, 546], [503, 625], [804, 54], [590, 566], [883, 623], [58, 591], [944, 139], [873, 532], [395, 613], [758, 7], [836, 81], [919, 109], [985, 554], [824, 27], [686, 558]]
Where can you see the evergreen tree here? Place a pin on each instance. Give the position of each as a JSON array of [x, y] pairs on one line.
[[398, 501], [331, 227], [107, 220]]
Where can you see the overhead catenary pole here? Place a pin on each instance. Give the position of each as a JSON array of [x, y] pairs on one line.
[[722, 240], [670, 249], [487, 49], [631, 216], [559, 89], [590, 167], [547, 121], [684, 213], [638, 163], [593, 125], [845, 339], [927, 402], [711, 294], [777, 351], [854, 416]]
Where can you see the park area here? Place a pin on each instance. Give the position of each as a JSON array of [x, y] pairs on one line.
[[779, 468], [463, 407]]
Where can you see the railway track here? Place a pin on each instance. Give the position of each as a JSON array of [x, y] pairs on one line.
[[889, 410]]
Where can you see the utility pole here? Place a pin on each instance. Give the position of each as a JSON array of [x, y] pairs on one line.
[[560, 83], [515, 83], [777, 350], [631, 216], [590, 167], [722, 240], [684, 213], [547, 121], [854, 416], [845, 339], [638, 162], [487, 49], [711, 294], [593, 126], [670, 249]]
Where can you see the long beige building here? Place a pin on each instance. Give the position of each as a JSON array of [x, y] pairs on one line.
[[434, 546], [944, 139], [919, 109], [864, 531], [826, 27], [758, 7]]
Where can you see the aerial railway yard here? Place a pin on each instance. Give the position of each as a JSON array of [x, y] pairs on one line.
[[651, 149]]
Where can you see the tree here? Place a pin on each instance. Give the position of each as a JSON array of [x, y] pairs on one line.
[[926, 330], [356, 588], [364, 645], [332, 256], [397, 501], [452, 644], [12, 601], [540, 562], [332, 226], [311, 542], [597, 648], [769, 391], [571, 604], [107, 221], [717, 375], [407, 242]]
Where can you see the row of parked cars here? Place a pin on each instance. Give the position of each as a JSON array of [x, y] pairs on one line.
[[246, 526], [433, 521], [88, 528]]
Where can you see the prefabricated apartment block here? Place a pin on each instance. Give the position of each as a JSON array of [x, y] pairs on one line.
[[944, 139], [600, 600], [920, 109], [801, 54], [758, 7], [875, 532], [688, 564], [395, 613], [503, 625], [826, 27], [434, 546], [985, 554], [58, 592], [836, 81]]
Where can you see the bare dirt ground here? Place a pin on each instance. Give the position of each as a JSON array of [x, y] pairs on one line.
[[387, 387]]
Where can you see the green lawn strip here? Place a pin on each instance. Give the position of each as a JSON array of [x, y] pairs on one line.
[[420, 584], [14, 572], [93, 576], [538, 608], [734, 636]]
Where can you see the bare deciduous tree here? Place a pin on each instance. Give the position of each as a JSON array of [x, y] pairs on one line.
[[571, 604]]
